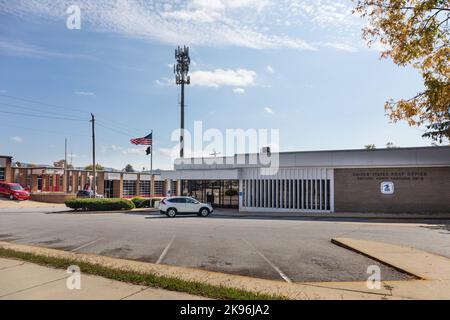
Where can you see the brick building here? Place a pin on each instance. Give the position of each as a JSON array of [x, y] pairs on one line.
[[403, 180], [53, 184]]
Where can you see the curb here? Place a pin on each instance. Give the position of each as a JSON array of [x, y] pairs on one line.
[[295, 291], [343, 216], [348, 247]]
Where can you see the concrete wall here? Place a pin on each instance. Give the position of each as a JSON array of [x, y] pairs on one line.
[[416, 190]]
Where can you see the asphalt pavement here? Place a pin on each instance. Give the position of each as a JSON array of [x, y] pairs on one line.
[[282, 249]]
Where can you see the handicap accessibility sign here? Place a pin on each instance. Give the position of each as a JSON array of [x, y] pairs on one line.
[[387, 187]]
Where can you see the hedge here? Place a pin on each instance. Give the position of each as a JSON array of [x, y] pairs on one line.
[[145, 203], [100, 204]]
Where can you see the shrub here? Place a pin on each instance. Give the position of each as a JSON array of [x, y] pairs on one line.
[[100, 204], [138, 202], [145, 203]]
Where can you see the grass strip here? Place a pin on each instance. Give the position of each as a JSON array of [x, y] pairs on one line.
[[138, 278]]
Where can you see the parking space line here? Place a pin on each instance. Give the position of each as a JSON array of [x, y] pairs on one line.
[[163, 254], [282, 275], [85, 245]]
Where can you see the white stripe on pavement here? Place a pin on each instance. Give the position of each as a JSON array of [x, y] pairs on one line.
[[163, 254], [85, 245], [282, 275]]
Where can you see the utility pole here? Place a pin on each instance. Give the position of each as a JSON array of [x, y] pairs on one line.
[[93, 187], [152, 181], [66, 178], [181, 71]]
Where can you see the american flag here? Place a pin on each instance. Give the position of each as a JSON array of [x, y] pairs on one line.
[[145, 141]]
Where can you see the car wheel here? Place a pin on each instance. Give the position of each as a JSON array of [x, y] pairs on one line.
[[171, 213], [11, 197], [204, 212]]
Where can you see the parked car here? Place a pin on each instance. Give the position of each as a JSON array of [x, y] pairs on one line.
[[14, 191], [88, 194], [181, 205]]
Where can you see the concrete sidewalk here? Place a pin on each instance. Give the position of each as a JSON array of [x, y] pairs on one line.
[[22, 280], [15, 204], [353, 215]]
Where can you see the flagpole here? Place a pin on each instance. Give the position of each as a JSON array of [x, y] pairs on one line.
[[151, 170]]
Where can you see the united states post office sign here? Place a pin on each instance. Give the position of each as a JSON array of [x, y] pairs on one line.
[[387, 187]]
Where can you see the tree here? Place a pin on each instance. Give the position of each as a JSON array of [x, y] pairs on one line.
[[98, 167], [416, 33], [129, 168], [391, 145], [370, 146], [61, 164]]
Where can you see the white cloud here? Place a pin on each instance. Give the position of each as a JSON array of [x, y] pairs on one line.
[[339, 46], [17, 139], [239, 90], [268, 110], [258, 24], [123, 150], [221, 77], [270, 69], [85, 93], [21, 49], [165, 82], [197, 22]]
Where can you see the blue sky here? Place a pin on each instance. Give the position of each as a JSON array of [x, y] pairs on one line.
[[297, 66]]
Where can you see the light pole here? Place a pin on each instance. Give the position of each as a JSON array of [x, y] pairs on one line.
[[93, 186], [181, 70]]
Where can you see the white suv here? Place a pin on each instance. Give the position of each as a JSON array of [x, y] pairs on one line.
[[179, 205]]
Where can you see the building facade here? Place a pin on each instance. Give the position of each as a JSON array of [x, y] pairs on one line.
[[51, 184], [403, 180], [5, 168]]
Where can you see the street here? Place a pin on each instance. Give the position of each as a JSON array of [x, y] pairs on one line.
[[281, 249]]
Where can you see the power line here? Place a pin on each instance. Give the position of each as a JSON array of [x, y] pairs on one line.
[[38, 110], [111, 122], [46, 131], [113, 129], [41, 116], [122, 129], [41, 103]]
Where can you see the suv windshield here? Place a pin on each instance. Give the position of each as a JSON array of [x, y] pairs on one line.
[[16, 187]]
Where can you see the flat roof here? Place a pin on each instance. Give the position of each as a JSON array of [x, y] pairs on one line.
[[387, 157]]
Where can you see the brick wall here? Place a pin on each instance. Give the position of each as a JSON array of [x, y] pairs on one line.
[[416, 190]]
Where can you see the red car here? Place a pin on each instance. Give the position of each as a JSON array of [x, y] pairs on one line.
[[13, 191]]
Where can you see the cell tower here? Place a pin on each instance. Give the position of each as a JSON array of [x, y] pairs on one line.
[[181, 71]]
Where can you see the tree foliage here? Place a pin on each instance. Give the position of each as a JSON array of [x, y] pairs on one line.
[[129, 168], [416, 33], [97, 167]]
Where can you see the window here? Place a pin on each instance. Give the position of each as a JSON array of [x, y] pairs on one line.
[[2, 174], [129, 188], [144, 188], [159, 188], [179, 200]]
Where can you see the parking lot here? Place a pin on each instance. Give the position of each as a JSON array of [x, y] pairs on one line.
[[281, 249]]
